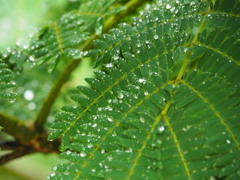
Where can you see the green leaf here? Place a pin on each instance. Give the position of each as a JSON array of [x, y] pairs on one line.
[[165, 104], [6, 82]]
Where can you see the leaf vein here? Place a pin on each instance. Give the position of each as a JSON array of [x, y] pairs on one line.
[[211, 106]]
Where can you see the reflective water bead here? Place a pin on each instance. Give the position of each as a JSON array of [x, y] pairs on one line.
[[161, 129], [155, 37], [28, 95], [141, 80], [82, 154], [168, 6]]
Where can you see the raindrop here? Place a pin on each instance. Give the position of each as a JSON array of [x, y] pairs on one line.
[[68, 152], [115, 57], [110, 158], [28, 95], [228, 141], [89, 145], [156, 37], [109, 108], [161, 129], [168, 6], [141, 80], [109, 119], [31, 58], [83, 154], [120, 95], [129, 150], [109, 65], [52, 174], [18, 43]]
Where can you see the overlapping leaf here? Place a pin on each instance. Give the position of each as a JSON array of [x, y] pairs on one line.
[[165, 105], [6, 81], [62, 39]]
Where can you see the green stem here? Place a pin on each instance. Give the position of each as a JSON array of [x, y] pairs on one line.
[[72, 65]]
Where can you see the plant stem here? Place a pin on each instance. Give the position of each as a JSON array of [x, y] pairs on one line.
[[37, 144], [15, 127], [112, 21]]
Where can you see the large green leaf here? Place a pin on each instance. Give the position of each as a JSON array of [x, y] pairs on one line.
[[165, 104]]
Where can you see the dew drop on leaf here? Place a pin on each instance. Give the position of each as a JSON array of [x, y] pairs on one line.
[[109, 119], [141, 80], [161, 129], [168, 6], [31, 58], [156, 37], [120, 95], [83, 154], [68, 152], [52, 174], [109, 65]]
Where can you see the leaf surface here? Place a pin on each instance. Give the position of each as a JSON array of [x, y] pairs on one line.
[[165, 104]]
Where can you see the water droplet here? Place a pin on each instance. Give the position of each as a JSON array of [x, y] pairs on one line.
[[109, 108], [161, 129], [155, 37], [68, 152], [115, 57], [28, 95], [228, 141], [83, 154], [168, 6], [31, 58], [129, 150], [141, 80], [89, 145], [52, 174], [109, 65], [120, 95], [109, 119]]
